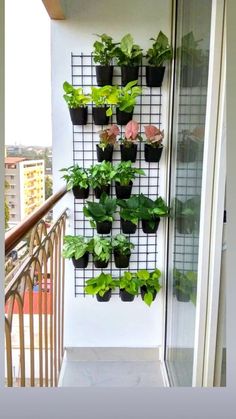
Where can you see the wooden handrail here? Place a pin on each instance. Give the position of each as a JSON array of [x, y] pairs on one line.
[[13, 236]]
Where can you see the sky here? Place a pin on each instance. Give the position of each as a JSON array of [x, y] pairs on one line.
[[27, 73]]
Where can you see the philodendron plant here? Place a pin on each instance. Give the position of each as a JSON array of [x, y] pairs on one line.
[[149, 284], [127, 96], [101, 286], [128, 56], [185, 285], [124, 174], [101, 247], [122, 250], [77, 103], [129, 213], [101, 214], [100, 176], [104, 97], [129, 286], [160, 51], [150, 212], [77, 248], [76, 179], [103, 50]]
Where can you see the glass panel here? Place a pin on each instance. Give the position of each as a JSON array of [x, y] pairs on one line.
[[193, 36]]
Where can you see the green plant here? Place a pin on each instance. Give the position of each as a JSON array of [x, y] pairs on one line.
[[103, 50], [130, 283], [160, 51], [75, 98], [129, 209], [122, 245], [126, 96], [127, 53], [75, 247], [101, 248], [149, 209], [105, 96], [100, 284], [125, 173], [149, 280], [108, 136], [100, 211], [75, 176], [101, 174], [189, 212], [190, 53], [186, 283]]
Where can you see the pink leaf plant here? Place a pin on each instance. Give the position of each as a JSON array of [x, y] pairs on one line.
[[131, 134], [154, 135], [108, 136]]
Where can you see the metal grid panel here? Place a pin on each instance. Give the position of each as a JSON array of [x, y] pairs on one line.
[[85, 138]]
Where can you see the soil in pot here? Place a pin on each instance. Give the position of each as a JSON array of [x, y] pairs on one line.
[[104, 227], [143, 291], [128, 227], [80, 193], [154, 76], [81, 262], [152, 154], [101, 264], [182, 296], [106, 296], [150, 230], [126, 296], [129, 74], [105, 154], [123, 192], [98, 191], [122, 117], [79, 116], [121, 261], [104, 74], [99, 116], [129, 153]]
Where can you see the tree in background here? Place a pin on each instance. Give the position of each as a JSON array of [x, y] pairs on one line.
[[48, 186], [7, 212]]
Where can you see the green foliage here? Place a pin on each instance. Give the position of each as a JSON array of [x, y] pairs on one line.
[[160, 51], [189, 52], [75, 247], [6, 207], [100, 284], [100, 211], [75, 176], [48, 186], [127, 53], [122, 245], [75, 98], [186, 283], [105, 96], [101, 248], [126, 96], [103, 50], [129, 209], [150, 280], [124, 172], [130, 283], [151, 209], [101, 174]]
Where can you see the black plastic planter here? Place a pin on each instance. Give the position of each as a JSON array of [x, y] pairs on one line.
[[98, 191], [129, 153], [106, 296], [154, 76], [104, 74], [105, 154], [143, 291], [122, 117], [152, 154], [147, 228], [79, 116], [81, 262], [190, 76], [128, 227], [104, 227], [99, 116], [126, 296], [129, 74], [123, 192], [121, 261], [80, 193], [100, 264], [182, 296]]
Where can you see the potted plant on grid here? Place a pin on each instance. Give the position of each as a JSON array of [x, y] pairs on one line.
[[192, 60], [126, 101], [150, 212], [101, 286], [129, 214], [187, 215], [157, 55], [107, 142], [101, 214], [149, 284], [101, 248], [103, 52], [77, 180], [103, 99], [128, 56], [153, 146], [124, 174], [77, 103], [122, 250], [100, 177], [128, 145], [129, 286], [76, 248], [185, 286]]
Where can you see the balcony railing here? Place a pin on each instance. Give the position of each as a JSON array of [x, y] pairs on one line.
[[34, 301]]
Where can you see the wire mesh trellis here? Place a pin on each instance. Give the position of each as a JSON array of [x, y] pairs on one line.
[[85, 138]]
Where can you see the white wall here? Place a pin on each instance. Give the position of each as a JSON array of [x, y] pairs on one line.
[[87, 322]]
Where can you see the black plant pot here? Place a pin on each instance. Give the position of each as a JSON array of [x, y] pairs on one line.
[[152, 154], [99, 116], [80, 193], [146, 227], [121, 261], [105, 154], [190, 76], [106, 296], [122, 117], [123, 192], [104, 227], [143, 291], [100, 264], [129, 153], [182, 296], [128, 227], [81, 262], [187, 151], [154, 76], [126, 296], [98, 191], [129, 74], [79, 116], [104, 74]]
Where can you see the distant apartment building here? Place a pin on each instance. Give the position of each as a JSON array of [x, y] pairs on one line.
[[25, 189]]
